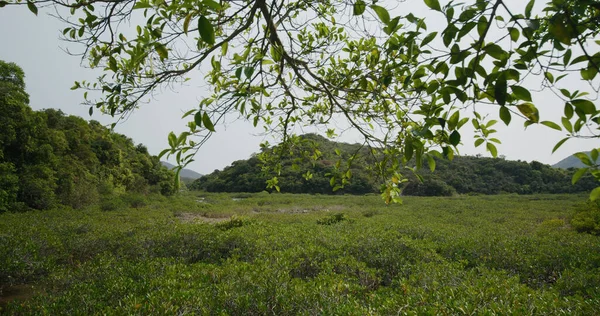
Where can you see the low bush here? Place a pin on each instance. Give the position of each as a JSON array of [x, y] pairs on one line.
[[233, 222], [587, 219], [333, 219]]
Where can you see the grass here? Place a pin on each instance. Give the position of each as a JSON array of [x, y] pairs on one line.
[[302, 254]]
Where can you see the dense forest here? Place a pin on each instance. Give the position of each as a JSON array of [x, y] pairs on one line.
[[462, 175], [48, 158]]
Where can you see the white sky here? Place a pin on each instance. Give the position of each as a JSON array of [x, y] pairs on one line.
[[33, 43]]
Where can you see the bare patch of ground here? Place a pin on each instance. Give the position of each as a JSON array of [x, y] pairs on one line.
[[200, 218], [15, 293], [316, 208]]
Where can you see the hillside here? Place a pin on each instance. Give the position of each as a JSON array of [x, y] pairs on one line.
[[571, 162], [49, 159], [463, 175], [185, 173]]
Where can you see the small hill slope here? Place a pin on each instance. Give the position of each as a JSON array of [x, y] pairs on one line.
[[463, 175], [571, 162], [185, 173]]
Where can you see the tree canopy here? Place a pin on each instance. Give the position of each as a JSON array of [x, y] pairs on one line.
[[372, 66], [49, 159]]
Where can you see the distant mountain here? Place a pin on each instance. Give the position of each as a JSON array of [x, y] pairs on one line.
[[571, 162], [185, 173]]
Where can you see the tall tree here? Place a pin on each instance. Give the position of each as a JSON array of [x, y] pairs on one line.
[[406, 88]]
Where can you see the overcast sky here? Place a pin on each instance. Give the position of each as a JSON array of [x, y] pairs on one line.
[[33, 43]]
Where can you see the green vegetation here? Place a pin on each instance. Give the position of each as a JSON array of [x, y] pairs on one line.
[[256, 254], [49, 159], [310, 166]]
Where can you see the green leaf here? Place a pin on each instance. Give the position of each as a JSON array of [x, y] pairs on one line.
[[567, 57], [492, 149], [482, 25], [206, 30], [428, 38], [248, 71], [514, 33], [529, 111], [453, 120], [584, 159], [594, 155], [589, 73], [433, 4], [454, 138], [562, 141], [186, 22], [162, 51], [382, 13], [528, 8], [568, 110], [559, 30], [500, 90], [479, 141], [490, 123], [586, 106], [549, 76], [4, 3], [567, 124], [359, 7], [552, 125], [142, 5], [578, 174], [198, 118], [431, 163], [595, 194], [177, 178], [505, 115], [408, 151], [162, 153], [207, 122], [521, 93], [495, 51], [172, 139], [212, 4], [32, 7]]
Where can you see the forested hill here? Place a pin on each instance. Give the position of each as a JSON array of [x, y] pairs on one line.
[[48, 158], [462, 175]]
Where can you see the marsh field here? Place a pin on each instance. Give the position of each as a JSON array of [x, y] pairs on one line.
[[278, 254]]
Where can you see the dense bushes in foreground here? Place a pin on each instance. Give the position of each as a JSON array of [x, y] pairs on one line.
[[461, 255]]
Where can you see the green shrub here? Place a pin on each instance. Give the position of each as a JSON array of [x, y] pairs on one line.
[[111, 203], [371, 212], [135, 200], [333, 219], [233, 222], [587, 219]]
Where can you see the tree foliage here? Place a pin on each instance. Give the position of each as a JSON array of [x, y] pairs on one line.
[[48, 158], [408, 88]]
